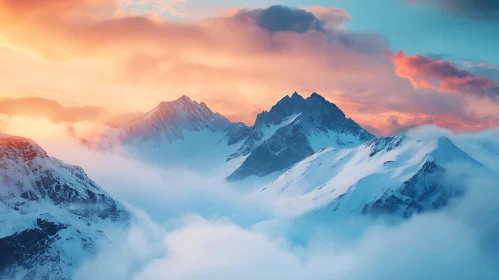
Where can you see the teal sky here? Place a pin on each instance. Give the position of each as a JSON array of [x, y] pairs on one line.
[[414, 28], [423, 29]]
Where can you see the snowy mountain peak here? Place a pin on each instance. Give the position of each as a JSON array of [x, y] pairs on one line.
[[188, 133], [183, 98], [446, 151], [30, 174], [169, 121], [182, 105], [53, 215], [19, 148], [292, 130], [284, 108], [315, 108]]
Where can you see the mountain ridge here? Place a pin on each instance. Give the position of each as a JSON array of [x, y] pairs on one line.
[[55, 217], [168, 132], [305, 125]]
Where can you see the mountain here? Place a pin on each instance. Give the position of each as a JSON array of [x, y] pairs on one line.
[[187, 133], [292, 130], [53, 216], [179, 133], [387, 175], [170, 121]]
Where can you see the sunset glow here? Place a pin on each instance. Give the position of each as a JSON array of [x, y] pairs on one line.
[[108, 63], [249, 139]]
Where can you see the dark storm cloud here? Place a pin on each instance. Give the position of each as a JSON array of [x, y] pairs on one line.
[[280, 18]]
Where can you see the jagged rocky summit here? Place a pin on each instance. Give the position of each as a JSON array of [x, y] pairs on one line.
[[188, 133]]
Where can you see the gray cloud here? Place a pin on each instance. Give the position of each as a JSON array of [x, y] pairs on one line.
[[280, 18], [326, 21]]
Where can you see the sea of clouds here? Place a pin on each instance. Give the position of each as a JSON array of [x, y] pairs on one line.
[[198, 227]]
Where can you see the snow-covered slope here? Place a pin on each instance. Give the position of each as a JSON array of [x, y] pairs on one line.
[[52, 216], [387, 175]]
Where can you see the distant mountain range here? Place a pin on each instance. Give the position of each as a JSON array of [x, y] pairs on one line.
[[311, 157], [319, 159], [189, 133]]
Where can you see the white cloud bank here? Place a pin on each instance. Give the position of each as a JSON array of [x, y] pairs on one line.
[[207, 230]]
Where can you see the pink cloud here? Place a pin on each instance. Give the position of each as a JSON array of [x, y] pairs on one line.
[[442, 75]]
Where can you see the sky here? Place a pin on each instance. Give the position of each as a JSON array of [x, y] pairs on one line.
[[390, 65], [409, 25], [70, 66]]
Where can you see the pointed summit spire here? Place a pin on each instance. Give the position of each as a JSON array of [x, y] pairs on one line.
[[315, 95], [183, 98], [204, 105]]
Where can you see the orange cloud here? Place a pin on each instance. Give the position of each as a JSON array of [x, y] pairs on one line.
[[48, 108], [89, 52], [396, 122], [52, 110]]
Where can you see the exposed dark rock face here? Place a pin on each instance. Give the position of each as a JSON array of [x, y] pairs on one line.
[[286, 107], [315, 113], [291, 143], [425, 191], [275, 155], [384, 143], [28, 248], [237, 133]]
